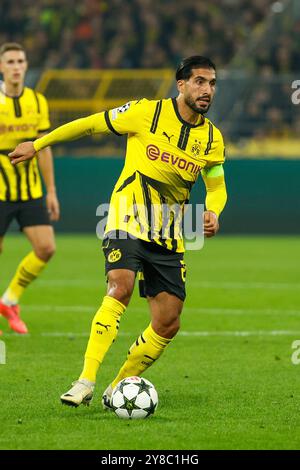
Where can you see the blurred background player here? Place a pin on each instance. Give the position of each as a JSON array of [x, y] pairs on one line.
[[24, 115], [159, 172]]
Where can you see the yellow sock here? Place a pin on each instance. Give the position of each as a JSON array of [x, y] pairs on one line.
[[104, 330], [29, 268], [143, 353]]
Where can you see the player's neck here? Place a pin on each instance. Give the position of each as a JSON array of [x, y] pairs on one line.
[[187, 114], [12, 89]]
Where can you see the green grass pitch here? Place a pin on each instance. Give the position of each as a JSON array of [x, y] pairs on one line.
[[226, 382]]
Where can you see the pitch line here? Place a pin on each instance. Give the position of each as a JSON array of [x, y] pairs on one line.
[[193, 333], [201, 284], [203, 310], [71, 335], [245, 285]]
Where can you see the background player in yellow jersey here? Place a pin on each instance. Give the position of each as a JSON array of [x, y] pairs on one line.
[[170, 143], [24, 115]]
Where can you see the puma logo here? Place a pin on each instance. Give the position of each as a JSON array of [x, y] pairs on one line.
[[169, 138], [104, 326]]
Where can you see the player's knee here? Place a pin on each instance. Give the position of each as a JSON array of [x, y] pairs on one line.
[[46, 251], [120, 291]]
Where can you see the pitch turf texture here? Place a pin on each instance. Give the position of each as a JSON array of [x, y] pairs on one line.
[[226, 382]]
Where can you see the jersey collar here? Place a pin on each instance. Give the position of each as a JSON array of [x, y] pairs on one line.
[[16, 96], [182, 120]]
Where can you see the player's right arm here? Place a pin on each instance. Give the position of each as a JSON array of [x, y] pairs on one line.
[[73, 130], [123, 120]]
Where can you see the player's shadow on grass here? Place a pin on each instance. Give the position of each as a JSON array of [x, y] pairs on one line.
[[96, 413]]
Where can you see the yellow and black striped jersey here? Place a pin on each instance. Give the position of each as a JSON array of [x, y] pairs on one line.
[[21, 118], [164, 158]]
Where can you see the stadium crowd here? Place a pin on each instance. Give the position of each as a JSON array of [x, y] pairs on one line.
[[100, 34], [140, 33]]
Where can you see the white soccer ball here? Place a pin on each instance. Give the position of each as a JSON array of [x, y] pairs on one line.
[[134, 398]]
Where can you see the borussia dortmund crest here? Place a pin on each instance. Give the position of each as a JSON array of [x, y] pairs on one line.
[[196, 148], [114, 255]]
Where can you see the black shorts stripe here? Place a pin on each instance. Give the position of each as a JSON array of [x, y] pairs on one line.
[[156, 117], [109, 124], [210, 139]]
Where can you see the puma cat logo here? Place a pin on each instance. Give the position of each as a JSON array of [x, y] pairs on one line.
[[104, 326], [169, 138]]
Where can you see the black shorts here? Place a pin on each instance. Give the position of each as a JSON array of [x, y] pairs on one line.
[[27, 214], [160, 270]]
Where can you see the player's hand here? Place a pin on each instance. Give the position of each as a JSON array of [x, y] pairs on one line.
[[210, 224], [53, 206], [22, 152]]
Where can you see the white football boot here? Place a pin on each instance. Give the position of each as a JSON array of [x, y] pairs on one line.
[[80, 393]]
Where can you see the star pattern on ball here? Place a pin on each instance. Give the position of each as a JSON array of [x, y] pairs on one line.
[[144, 387], [150, 410], [129, 405]]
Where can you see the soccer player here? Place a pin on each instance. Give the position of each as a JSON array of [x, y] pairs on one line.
[[170, 143], [23, 116]]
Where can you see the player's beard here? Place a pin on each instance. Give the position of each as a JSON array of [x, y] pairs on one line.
[[193, 105]]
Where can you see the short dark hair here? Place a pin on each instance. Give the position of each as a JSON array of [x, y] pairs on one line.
[[11, 46], [184, 70]]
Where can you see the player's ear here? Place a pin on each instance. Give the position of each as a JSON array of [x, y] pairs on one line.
[[180, 85]]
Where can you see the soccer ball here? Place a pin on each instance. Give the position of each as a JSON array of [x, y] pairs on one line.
[[134, 398]]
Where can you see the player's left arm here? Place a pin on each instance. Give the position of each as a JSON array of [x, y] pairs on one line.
[[216, 197], [213, 177], [45, 161]]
